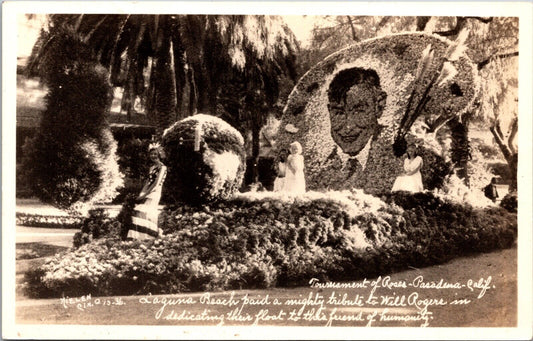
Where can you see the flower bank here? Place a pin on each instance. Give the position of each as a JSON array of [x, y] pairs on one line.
[[263, 240], [347, 109]]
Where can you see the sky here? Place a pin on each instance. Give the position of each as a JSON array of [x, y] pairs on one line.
[[27, 33], [301, 26]]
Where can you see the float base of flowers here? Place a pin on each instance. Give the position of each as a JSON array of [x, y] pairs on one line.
[[263, 240]]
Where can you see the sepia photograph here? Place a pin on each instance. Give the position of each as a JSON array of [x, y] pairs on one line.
[[284, 170]]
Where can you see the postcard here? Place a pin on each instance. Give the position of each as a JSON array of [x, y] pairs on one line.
[[279, 170]]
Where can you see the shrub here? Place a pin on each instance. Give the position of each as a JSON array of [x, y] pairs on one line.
[[72, 158], [96, 225], [266, 240], [214, 172], [510, 202]]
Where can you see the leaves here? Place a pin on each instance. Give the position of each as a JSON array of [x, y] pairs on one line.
[[428, 55]]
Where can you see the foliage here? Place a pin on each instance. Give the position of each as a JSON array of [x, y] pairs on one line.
[[266, 239], [205, 159], [124, 217], [510, 202], [493, 46], [37, 220], [72, 160], [435, 171], [133, 157], [481, 168], [23, 188], [133, 160], [332, 33], [96, 225]]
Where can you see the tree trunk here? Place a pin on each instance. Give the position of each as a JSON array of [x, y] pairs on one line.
[[193, 92], [125, 103], [180, 75], [460, 148], [256, 129], [115, 61], [164, 84], [134, 76], [352, 28], [510, 155]]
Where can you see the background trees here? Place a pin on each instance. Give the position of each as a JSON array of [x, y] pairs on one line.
[[241, 68], [178, 65]]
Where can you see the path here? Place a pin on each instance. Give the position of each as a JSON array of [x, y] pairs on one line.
[[56, 237]]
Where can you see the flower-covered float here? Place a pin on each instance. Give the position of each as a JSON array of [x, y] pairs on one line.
[[347, 110], [267, 239]]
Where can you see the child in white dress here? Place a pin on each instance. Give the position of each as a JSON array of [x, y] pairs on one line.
[[411, 180], [294, 174]]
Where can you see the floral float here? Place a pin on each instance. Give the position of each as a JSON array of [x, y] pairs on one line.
[[347, 111]]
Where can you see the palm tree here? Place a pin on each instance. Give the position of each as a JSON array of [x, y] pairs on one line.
[[182, 64], [179, 63]]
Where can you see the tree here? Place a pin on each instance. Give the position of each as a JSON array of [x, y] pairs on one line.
[[72, 158], [493, 46], [332, 33], [183, 64], [498, 68]]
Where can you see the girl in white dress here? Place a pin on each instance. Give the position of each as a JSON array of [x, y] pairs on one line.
[[411, 180], [294, 174], [282, 170]]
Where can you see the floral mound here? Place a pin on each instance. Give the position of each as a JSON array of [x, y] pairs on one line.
[[205, 158], [266, 240], [347, 109]]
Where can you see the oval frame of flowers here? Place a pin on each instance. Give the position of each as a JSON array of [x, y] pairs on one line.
[[395, 59]]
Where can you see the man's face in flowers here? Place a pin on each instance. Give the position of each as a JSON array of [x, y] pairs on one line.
[[354, 116]]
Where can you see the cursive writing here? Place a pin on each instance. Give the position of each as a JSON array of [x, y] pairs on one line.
[[382, 301]]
